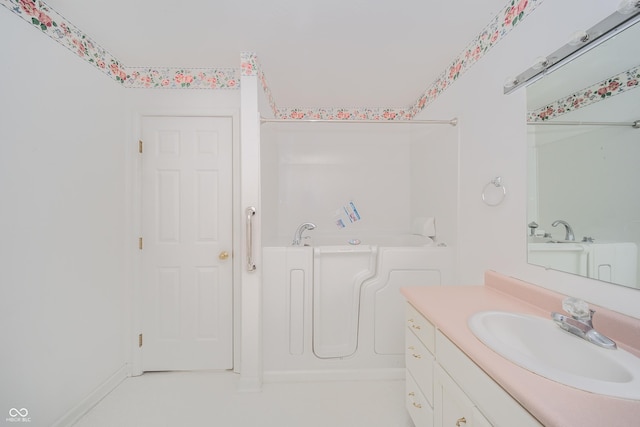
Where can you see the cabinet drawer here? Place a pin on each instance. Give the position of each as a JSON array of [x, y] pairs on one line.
[[497, 405], [420, 326], [419, 362], [417, 405]]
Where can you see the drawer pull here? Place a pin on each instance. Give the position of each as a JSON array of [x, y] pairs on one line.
[[417, 405], [460, 421], [416, 327], [417, 356]]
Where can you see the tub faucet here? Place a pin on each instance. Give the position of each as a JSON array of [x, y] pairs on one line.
[[297, 237], [569, 231], [580, 323]]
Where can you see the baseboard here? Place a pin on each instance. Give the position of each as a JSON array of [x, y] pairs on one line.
[[77, 412], [386, 374]]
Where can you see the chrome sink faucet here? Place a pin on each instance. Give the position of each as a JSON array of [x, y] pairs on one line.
[[580, 322], [569, 231], [297, 237]]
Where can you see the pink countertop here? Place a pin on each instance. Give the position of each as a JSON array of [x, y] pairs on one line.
[[553, 404]]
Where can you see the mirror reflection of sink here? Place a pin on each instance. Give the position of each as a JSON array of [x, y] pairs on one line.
[[540, 346]]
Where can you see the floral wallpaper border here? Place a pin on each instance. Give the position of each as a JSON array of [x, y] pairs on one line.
[[51, 23], [249, 66], [615, 85], [341, 113], [183, 78], [48, 21], [505, 21]]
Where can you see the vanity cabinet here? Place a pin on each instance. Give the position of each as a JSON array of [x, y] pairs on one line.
[[444, 388]]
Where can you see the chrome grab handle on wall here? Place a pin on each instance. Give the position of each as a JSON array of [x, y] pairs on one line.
[[250, 211]]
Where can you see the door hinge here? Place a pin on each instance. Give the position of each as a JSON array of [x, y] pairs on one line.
[[140, 243], [139, 340], [140, 146]]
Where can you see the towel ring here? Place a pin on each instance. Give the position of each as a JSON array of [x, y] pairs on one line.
[[496, 182]]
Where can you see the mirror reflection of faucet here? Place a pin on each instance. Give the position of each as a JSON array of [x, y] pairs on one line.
[[569, 236], [538, 235]]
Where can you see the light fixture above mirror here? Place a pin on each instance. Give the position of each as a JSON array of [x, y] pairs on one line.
[[627, 14]]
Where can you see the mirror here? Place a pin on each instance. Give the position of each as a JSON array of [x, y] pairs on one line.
[[584, 163]]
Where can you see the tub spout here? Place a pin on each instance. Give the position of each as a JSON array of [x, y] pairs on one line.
[[297, 237]]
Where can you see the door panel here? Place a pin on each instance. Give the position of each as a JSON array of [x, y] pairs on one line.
[[186, 224]]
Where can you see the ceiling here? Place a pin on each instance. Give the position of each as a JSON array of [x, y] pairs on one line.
[[322, 53]]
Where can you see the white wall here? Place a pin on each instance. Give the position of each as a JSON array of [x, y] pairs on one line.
[[61, 227], [434, 178], [68, 229], [493, 142]]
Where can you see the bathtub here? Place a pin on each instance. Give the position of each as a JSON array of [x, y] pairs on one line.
[[333, 309]]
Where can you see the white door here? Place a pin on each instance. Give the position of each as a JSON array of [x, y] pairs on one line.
[[186, 246]]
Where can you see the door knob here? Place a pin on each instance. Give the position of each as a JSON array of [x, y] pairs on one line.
[[223, 255]]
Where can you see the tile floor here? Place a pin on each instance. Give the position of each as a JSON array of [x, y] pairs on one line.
[[186, 399]]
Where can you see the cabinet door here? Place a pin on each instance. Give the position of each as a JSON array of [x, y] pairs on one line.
[[497, 405], [479, 420], [452, 408]]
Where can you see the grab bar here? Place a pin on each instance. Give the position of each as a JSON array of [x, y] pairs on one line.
[[250, 211]]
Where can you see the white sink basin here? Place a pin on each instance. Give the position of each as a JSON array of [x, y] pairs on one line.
[[540, 346]]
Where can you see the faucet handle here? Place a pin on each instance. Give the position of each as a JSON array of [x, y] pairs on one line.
[[577, 308]]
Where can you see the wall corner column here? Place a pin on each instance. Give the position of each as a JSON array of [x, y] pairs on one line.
[[251, 281]]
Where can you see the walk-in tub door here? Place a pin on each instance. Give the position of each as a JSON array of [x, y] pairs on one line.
[[338, 274]]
